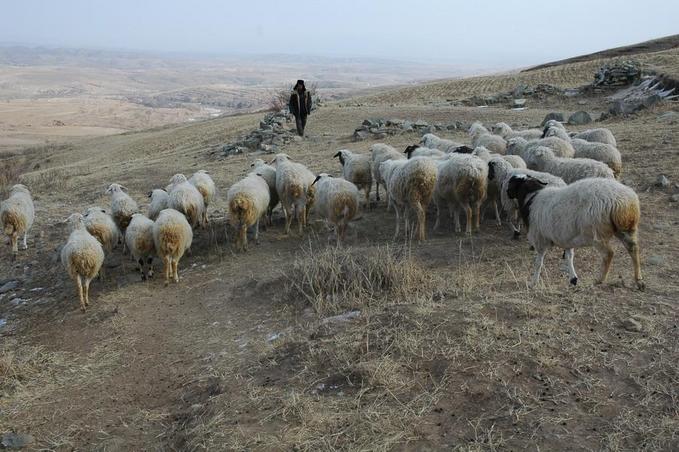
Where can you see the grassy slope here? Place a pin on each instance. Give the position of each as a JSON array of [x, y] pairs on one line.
[[455, 351]]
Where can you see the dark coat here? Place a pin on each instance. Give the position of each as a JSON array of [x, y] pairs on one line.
[[297, 108]]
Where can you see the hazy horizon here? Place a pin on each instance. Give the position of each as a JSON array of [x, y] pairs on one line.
[[486, 33]]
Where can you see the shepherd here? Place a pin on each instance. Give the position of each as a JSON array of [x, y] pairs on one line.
[[300, 105]]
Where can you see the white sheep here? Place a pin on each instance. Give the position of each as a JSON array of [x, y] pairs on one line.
[[17, 214], [184, 197], [172, 236], [505, 131], [525, 149], [602, 152], [600, 135], [247, 201], [484, 154], [411, 187], [139, 240], [586, 213], [159, 201], [380, 152], [431, 141], [102, 227], [293, 183], [82, 256], [356, 169], [415, 150], [122, 205], [499, 173], [482, 137], [267, 172], [569, 169], [336, 201], [461, 183], [206, 186]]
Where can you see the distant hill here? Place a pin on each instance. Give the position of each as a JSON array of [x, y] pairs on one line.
[[654, 45]]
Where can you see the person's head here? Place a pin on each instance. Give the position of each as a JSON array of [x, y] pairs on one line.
[[299, 86]]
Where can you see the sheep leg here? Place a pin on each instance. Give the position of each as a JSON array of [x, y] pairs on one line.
[[24, 246], [377, 191], [301, 219], [456, 219], [498, 220], [537, 266], [437, 223], [242, 244], [167, 262], [632, 247], [79, 284], [468, 212], [150, 264], [86, 287], [572, 276], [607, 251], [367, 197], [257, 232], [175, 273], [421, 221], [14, 239], [477, 212], [288, 218], [398, 222], [141, 268]]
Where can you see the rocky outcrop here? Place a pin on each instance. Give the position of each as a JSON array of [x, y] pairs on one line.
[[378, 129], [267, 139]]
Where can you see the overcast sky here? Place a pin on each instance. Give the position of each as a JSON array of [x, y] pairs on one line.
[[466, 32]]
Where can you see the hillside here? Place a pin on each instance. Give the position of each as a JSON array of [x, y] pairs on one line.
[[380, 345]]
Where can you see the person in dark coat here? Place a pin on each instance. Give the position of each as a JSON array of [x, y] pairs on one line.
[[300, 105]]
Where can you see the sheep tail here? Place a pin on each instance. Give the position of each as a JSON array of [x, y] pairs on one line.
[[9, 226], [625, 216], [240, 206]]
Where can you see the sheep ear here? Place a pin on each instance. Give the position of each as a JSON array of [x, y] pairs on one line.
[[540, 182], [315, 180], [149, 194], [339, 154], [124, 188]]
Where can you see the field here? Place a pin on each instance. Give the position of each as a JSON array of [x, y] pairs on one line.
[[376, 346]]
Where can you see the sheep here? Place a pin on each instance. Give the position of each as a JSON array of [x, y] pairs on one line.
[[184, 197], [206, 186], [505, 131], [267, 172], [102, 227], [293, 184], [380, 152], [586, 213], [524, 149], [482, 137], [600, 135], [159, 201], [499, 173], [415, 150], [172, 236], [248, 201], [336, 201], [569, 170], [139, 240], [82, 256], [356, 169], [122, 206], [411, 187], [461, 182], [17, 214], [429, 140], [602, 152]]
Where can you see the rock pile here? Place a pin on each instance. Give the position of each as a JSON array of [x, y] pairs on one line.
[[517, 97], [379, 129], [640, 96], [267, 139], [620, 73]]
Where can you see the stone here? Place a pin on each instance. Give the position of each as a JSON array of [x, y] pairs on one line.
[[420, 124], [554, 115], [632, 325], [579, 118], [518, 103], [662, 181], [9, 285], [655, 260], [674, 198], [360, 135], [12, 440]]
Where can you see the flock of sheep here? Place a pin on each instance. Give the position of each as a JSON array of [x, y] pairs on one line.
[[561, 185]]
